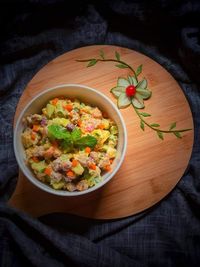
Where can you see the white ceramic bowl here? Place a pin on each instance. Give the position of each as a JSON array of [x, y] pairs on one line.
[[86, 95]]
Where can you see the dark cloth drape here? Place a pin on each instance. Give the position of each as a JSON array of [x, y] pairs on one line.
[[34, 32]]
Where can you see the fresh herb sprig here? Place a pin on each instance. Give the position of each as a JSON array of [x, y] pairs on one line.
[[155, 126], [121, 64], [71, 139], [133, 92]]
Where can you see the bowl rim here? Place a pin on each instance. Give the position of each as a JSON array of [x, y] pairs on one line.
[[45, 187]]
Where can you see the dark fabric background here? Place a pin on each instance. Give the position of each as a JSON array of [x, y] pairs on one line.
[[34, 32]]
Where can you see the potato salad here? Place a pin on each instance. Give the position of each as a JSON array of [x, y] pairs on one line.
[[70, 145]]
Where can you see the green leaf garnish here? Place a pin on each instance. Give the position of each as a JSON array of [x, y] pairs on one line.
[[68, 140], [172, 126], [117, 55], [177, 134], [92, 62], [139, 70], [87, 140], [101, 53], [121, 66], [67, 144], [76, 134], [58, 132], [142, 125], [144, 114], [160, 135], [155, 125]]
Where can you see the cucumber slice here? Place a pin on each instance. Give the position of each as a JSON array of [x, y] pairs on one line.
[[50, 110], [39, 166], [116, 91], [60, 121], [145, 93], [137, 101], [142, 84], [130, 79], [134, 81], [123, 82], [123, 101]]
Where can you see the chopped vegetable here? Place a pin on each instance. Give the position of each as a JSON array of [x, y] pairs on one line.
[[58, 186], [36, 127], [87, 149], [70, 174], [79, 123], [33, 136], [78, 169], [101, 126], [70, 145], [35, 159], [86, 141], [68, 107], [107, 168], [48, 171], [39, 166], [92, 166], [74, 163], [54, 101], [49, 110], [58, 132], [60, 121]]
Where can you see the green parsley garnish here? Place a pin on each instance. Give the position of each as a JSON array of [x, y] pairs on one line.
[[73, 139]]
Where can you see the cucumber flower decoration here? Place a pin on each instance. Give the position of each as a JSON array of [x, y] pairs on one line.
[[129, 91]]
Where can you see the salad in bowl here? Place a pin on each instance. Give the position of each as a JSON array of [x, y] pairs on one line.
[[70, 140], [70, 144]]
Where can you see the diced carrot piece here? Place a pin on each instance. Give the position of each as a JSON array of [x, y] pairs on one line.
[[36, 127], [111, 161], [35, 159], [70, 173], [48, 171], [33, 136], [83, 110], [107, 168], [87, 149], [54, 101], [101, 126], [74, 163], [92, 166], [79, 123], [68, 107]]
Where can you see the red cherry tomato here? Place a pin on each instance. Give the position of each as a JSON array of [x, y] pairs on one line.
[[130, 90]]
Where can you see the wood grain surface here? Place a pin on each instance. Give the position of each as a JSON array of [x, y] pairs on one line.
[[151, 168]]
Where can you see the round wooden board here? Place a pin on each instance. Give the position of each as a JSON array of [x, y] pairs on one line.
[[151, 168]]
